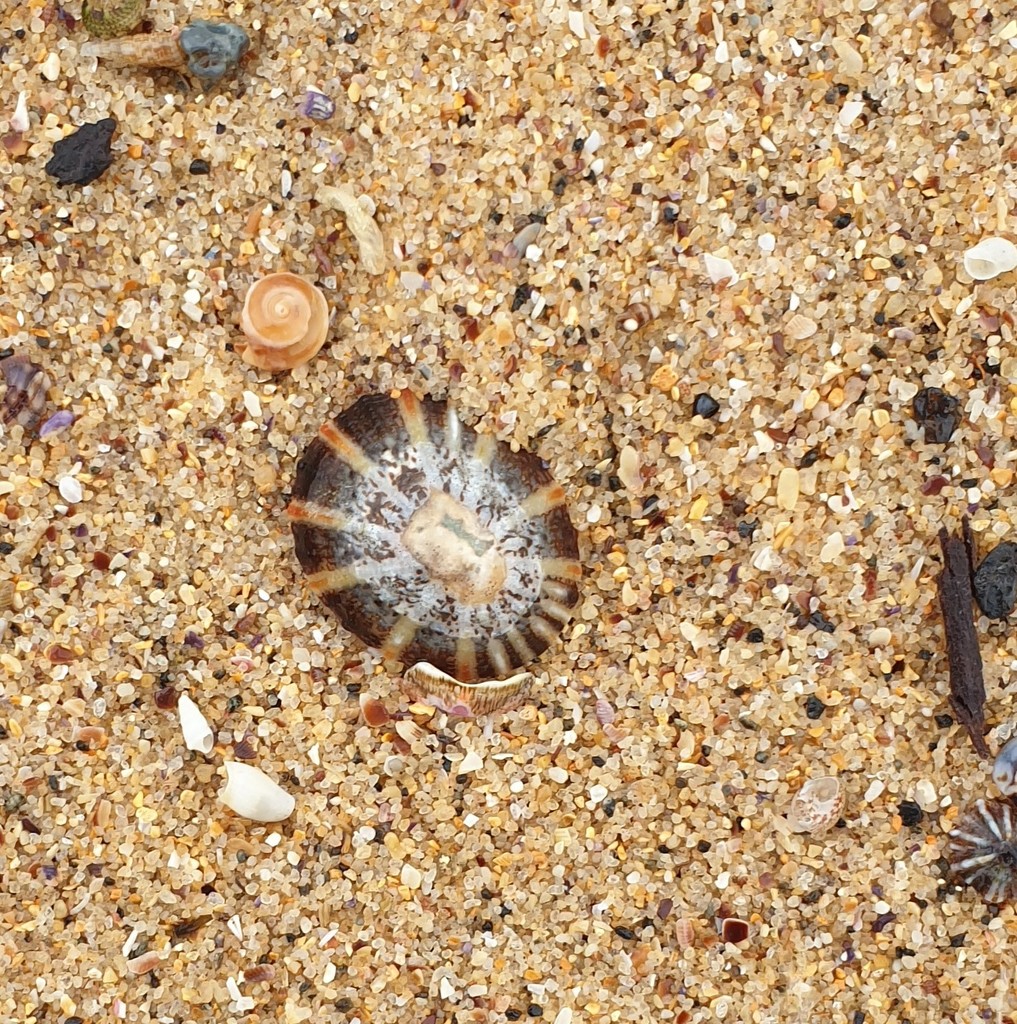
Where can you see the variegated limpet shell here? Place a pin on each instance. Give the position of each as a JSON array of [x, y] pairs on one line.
[[434, 543]]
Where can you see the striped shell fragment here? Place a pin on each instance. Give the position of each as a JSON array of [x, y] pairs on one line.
[[433, 543]]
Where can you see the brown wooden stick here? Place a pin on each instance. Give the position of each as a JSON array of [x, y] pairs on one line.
[[967, 688]]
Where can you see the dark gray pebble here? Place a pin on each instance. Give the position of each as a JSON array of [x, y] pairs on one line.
[[995, 583], [82, 157], [213, 49]]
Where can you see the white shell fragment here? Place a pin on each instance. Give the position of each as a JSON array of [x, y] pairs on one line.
[[250, 793], [20, 121], [990, 258], [719, 269], [360, 222], [70, 489], [1004, 769], [816, 806], [197, 732]]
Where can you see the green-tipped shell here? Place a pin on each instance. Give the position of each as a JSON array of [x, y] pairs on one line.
[[466, 700], [107, 19]]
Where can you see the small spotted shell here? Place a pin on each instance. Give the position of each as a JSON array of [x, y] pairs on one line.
[[817, 805], [285, 319]]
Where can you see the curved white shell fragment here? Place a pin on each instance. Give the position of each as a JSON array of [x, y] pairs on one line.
[[1004, 769], [466, 700], [816, 806], [197, 732], [990, 258], [250, 793]]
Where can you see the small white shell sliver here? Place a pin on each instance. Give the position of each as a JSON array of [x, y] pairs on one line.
[[250, 793]]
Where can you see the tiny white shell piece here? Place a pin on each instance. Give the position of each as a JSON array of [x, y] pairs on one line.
[[20, 121], [197, 732], [817, 805], [990, 258], [719, 269], [1004, 770], [250, 793]]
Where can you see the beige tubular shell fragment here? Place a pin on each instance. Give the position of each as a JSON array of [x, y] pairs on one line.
[[141, 51], [250, 793], [361, 224]]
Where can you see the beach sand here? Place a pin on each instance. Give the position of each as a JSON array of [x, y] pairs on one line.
[[778, 202]]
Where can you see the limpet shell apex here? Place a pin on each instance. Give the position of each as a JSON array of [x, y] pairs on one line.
[[433, 543]]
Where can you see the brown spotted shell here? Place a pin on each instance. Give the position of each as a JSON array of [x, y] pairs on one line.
[[434, 543]]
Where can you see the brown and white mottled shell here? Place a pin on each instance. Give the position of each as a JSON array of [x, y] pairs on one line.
[[434, 543], [817, 805]]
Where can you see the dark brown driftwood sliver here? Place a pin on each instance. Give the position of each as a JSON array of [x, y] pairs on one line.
[[967, 688]]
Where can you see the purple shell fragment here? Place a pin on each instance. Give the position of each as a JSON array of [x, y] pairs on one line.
[[317, 106], [58, 421]]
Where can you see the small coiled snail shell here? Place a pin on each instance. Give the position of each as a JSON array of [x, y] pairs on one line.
[[635, 316], [285, 319], [209, 50]]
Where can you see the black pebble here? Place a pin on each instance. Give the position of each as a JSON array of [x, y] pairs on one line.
[[936, 411], [910, 812], [814, 707], [755, 636], [82, 157], [199, 167], [533, 1010], [995, 582], [705, 406]]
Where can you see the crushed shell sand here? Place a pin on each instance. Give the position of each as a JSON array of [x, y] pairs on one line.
[[743, 177]]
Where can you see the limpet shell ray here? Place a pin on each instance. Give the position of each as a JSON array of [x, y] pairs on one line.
[[433, 543]]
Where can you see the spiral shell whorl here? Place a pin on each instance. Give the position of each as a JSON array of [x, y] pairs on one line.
[[285, 319]]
